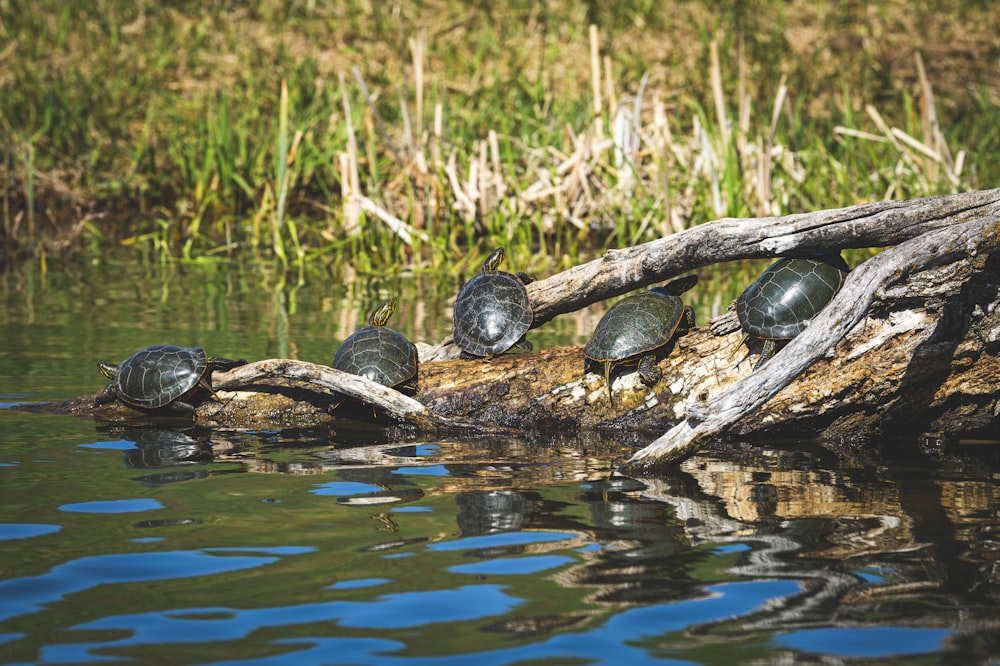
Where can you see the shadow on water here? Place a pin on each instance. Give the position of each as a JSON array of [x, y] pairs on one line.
[[347, 545]]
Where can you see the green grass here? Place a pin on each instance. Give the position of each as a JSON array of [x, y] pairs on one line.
[[324, 133]]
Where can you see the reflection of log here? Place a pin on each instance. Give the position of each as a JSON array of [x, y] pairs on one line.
[[928, 515], [910, 345]]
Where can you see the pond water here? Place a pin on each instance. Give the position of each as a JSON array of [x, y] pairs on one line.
[[341, 545]]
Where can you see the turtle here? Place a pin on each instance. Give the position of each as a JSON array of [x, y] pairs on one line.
[[637, 327], [492, 312], [379, 353], [160, 376], [787, 295]]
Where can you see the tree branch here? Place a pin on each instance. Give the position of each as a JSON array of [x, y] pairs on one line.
[[876, 224], [313, 376], [849, 306]]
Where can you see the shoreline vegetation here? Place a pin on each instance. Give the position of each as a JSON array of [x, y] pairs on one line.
[[403, 136]]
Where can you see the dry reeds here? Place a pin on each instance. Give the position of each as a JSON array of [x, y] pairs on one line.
[[557, 144]]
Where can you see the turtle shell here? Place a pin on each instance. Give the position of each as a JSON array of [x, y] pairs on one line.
[[378, 353], [635, 325], [492, 313], [158, 375], [787, 295]]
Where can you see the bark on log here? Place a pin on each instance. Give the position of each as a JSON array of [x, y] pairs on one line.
[[620, 271], [910, 341], [962, 243]]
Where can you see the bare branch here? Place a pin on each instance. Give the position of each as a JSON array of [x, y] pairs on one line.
[[820, 338]]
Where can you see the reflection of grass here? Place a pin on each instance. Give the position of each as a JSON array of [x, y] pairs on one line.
[[315, 133]]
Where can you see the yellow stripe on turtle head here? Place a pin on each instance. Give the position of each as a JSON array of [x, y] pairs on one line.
[[382, 313], [493, 261]]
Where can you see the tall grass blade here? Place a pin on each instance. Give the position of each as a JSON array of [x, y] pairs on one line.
[[280, 167], [595, 81], [350, 175], [718, 97]]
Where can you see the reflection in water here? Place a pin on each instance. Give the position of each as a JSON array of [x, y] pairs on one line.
[[167, 522], [360, 545], [644, 555], [865, 543], [164, 448], [159, 448], [737, 555], [489, 511]]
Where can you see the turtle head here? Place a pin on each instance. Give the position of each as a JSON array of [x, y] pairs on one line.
[[382, 313], [109, 370], [831, 257], [493, 261], [676, 287]]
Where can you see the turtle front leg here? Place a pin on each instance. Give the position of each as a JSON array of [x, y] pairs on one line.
[[182, 408], [409, 387], [107, 395], [588, 366], [523, 344], [766, 352], [649, 371], [207, 385], [687, 320]]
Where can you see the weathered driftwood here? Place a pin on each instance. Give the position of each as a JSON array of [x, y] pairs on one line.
[[342, 386], [620, 271], [286, 393], [911, 340], [851, 305]]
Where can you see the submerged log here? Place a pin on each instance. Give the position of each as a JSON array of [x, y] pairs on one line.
[[908, 345]]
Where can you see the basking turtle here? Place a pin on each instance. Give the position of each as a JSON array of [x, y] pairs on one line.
[[637, 327], [379, 353], [492, 312], [160, 376], [786, 296]]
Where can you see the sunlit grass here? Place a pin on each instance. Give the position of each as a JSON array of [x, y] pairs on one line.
[[348, 134]]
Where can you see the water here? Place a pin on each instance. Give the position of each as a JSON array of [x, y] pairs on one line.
[[340, 545]]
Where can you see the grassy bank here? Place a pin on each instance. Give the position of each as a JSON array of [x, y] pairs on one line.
[[416, 134]]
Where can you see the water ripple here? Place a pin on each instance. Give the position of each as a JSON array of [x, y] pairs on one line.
[[198, 625], [21, 596], [25, 530], [135, 505]]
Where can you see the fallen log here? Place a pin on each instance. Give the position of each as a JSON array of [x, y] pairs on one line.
[[284, 393], [910, 343], [929, 331], [619, 271]]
